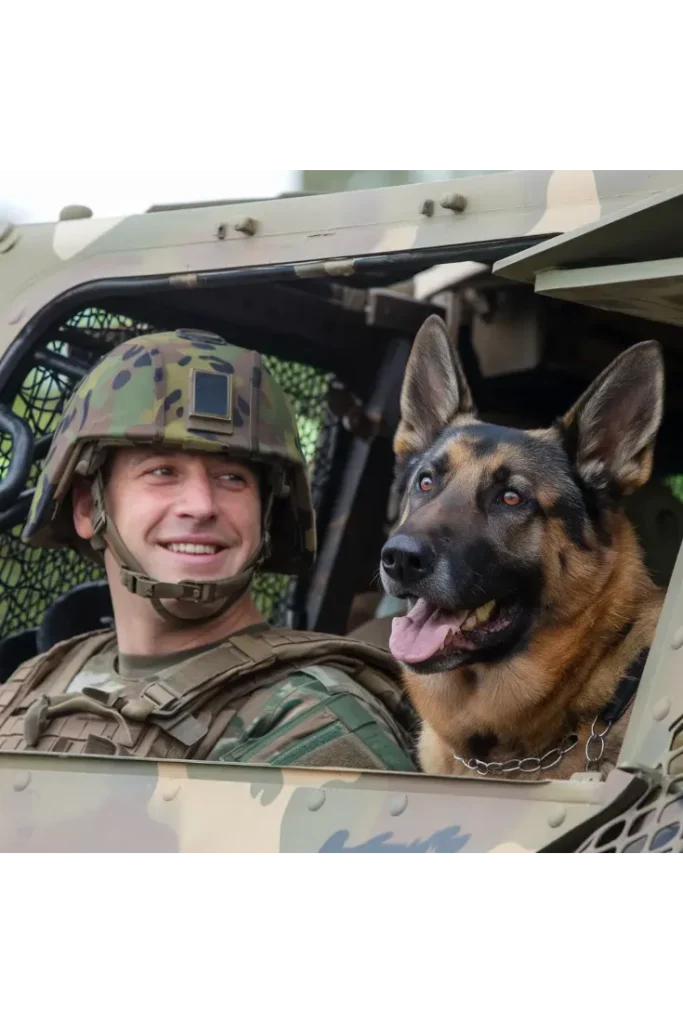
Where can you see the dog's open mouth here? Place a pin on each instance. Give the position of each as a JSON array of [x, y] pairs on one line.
[[427, 631]]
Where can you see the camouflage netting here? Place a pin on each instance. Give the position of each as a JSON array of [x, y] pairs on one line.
[[31, 579]]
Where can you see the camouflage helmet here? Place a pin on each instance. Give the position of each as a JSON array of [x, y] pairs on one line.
[[187, 389]]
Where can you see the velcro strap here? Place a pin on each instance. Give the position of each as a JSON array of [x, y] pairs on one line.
[[104, 747], [162, 697], [158, 700], [197, 674], [99, 745], [255, 648], [188, 729], [106, 697], [164, 703]]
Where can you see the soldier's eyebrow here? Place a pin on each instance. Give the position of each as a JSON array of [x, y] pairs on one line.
[[150, 452], [160, 451]]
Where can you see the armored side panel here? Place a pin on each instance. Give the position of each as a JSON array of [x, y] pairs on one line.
[[631, 262]]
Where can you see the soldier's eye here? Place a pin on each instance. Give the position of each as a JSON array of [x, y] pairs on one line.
[[425, 482]]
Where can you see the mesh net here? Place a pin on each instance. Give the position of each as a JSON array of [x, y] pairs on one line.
[[655, 823], [31, 579]]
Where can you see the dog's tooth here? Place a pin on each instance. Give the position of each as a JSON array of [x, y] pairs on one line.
[[484, 612], [470, 622]]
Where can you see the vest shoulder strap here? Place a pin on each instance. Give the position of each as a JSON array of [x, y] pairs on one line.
[[259, 656], [64, 659]]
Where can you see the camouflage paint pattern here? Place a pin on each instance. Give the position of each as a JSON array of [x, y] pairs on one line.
[[606, 265], [318, 235], [613, 238], [140, 393], [90, 804]]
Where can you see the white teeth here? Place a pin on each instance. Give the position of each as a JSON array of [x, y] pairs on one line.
[[470, 622], [193, 549]]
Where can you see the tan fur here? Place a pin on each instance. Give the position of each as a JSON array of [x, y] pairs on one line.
[[569, 671], [579, 648], [406, 439]]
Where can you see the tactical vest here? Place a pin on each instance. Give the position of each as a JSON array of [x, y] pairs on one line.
[[150, 717]]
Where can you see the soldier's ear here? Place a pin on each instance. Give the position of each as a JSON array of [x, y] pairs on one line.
[[435, 391], [612, 427], [81, 504]]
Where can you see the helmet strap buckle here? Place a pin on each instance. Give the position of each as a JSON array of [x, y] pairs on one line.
[[99, 515]]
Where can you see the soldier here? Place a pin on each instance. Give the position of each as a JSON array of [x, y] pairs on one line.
[[178, 465]]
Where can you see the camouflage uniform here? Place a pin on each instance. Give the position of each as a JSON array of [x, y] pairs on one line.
[[262, 695]]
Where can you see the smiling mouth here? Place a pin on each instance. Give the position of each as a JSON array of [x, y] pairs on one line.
[[187, 548], [428, 632]]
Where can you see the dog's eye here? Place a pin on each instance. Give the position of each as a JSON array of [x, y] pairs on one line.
[[511, 498], [425, 482]]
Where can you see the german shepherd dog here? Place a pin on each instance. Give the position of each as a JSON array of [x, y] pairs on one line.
[[529, 599]]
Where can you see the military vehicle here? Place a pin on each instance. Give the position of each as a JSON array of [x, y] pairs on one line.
[[542, 277]]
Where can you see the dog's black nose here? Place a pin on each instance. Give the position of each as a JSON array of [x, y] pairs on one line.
[[407, 559]]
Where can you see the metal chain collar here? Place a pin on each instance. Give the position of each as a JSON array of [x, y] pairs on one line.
[[593, 760], [547, 760]]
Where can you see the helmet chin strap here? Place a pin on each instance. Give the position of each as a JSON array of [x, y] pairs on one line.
[[136, 580]]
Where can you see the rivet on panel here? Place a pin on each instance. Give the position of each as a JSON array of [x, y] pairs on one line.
[[678, 639], [398, 804], [316, 798], [661, 709], [247, 226], [75, 212], [557, 817], [453, 201], [21, 781], [170, 790], [221, 232]]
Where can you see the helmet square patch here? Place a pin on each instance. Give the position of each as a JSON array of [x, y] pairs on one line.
[[211, 402]]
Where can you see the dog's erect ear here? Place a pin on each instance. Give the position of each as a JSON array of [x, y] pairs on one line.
[[614, 424], [434, 392]]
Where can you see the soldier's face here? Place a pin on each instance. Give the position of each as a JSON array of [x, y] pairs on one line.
[[183, 515]]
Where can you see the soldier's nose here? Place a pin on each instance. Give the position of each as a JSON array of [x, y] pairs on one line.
[[197, 498], [408, 559]]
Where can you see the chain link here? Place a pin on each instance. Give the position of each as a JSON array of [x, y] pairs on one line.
[[523, 764], [596, 737], [547, 760]]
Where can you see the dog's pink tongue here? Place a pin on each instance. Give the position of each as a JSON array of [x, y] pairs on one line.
[[422, 632]]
